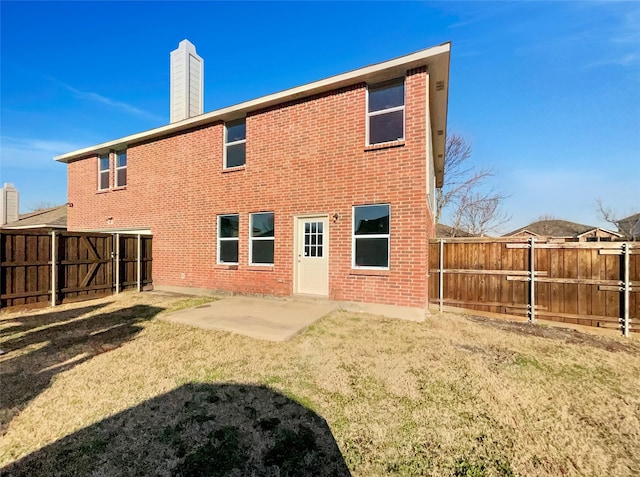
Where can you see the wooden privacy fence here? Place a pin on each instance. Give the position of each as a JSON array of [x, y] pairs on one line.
[[586, 283], [43, 266]]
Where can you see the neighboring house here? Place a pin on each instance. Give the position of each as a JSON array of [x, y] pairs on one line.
[[445, 231], [630, 226], [564, 231], [325, 189], [53, 218]]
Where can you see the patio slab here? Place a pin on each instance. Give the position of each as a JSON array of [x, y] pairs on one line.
[[257, 317]]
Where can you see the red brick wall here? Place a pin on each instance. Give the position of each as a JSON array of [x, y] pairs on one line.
[[306, 156]]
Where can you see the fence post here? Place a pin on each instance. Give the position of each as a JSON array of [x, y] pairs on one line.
[[532, 280], [139, 263], [117, 264], [441, 274], [626, 288], [54, 259]]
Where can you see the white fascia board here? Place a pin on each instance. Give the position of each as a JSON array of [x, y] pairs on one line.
[[125, 231], [24, 227], [390, 67], [599, 228]]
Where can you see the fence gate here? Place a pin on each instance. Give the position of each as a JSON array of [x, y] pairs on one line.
[[41, 266]]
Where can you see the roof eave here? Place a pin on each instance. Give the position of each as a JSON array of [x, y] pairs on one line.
[[435, 58]]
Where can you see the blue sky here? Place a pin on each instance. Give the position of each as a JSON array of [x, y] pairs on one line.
[[548, 93]]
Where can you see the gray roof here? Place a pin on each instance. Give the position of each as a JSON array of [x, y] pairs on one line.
[[556, 228], [53, 217], [631, 218], [444, 231]]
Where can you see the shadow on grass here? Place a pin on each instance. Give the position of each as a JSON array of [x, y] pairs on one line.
[[25, 372], [22, 323], [197, 430]]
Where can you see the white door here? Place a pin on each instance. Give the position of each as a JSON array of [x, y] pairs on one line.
[[312, 256]]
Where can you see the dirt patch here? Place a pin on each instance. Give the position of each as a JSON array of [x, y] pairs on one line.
[[555, 333]]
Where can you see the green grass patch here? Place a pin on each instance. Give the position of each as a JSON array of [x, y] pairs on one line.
[[190, 303]]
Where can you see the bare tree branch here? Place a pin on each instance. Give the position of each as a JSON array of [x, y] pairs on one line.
[[628, 229], [472, 211], [480, 214], [41, 205]]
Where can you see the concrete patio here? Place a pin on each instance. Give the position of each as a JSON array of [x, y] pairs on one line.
[[260, 318]]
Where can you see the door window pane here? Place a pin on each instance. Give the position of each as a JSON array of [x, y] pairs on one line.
[[313, 239]]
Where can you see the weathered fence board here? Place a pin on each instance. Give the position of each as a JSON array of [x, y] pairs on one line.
[[592, 284], [40, 266]]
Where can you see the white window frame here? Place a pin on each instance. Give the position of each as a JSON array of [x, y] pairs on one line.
[[103, 171], [116, 168], [252, 239], [227, 239], [354, 238], [233, 143], [388, 110]]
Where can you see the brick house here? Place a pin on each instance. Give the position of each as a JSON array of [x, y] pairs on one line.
[[324, 189]]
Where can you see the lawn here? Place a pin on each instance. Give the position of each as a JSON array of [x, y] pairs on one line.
[[107, 388]]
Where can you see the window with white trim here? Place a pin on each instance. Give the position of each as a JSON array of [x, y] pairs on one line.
[[235, 143], [103, 172], [228, 226], [385, 112], [261, 238], [371, 236], [121, 168]]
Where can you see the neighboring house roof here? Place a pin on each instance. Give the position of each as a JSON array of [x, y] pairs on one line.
[[54, 217], [556, 228], [630, 226], [443, 231], [435, 58], [631, 218]]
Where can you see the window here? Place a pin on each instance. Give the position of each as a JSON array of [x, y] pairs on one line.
[[385, 112], [103, 172], [121, 168], [313, 234], [371, 236], [235, 143], [261, 238], [228, 238]]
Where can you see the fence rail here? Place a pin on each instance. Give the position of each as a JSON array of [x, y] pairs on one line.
[[42, 266], [585, 283]]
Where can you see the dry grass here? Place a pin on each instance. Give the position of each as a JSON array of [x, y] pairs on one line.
[[104, 388]]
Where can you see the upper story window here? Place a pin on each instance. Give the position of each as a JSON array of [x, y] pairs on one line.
[[235, 147], [121, 168], [261, 238], [371, 236], [103, 172], [228, 226], [385, 112]]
